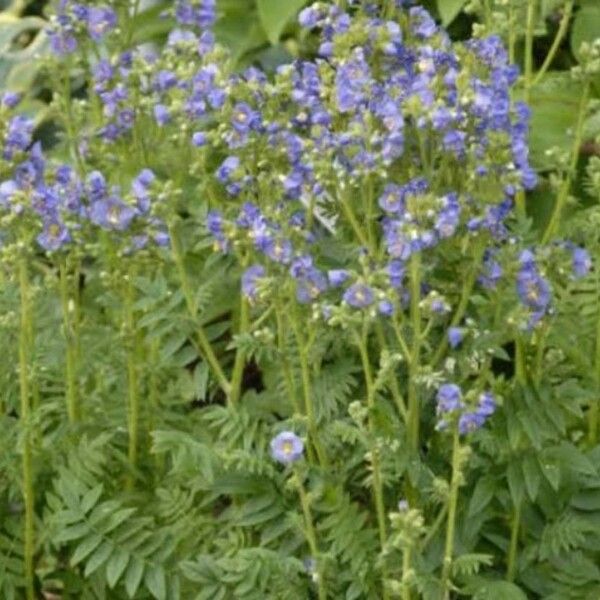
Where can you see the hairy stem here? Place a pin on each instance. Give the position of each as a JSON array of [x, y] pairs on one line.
[[377, 480], [415, 319], [399, 401], [133, 400], [204, 344], [285, 363], [511, 561], [558, 38], [530, 24], [70, 328], [451, 523], [303, 355], [240, 356], [594, 411], [25, 343], [565, 188], [311, 536]]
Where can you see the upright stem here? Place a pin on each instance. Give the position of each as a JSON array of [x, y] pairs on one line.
[[25, 342], [240, 355], [452, 505], [311, 536], [285, 363], [563, 193], [531, 13], [70, 331], [393, 382], [377, 483], [203, 341], [511, 562], [415, 319], [595, 406], [133, 401], [511, 32], [558, 38], [511, 558], [303, 355]]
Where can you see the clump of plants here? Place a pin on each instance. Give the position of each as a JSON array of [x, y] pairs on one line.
[[291, 334]]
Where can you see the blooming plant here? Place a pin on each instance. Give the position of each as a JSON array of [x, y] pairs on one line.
[[293, 332]]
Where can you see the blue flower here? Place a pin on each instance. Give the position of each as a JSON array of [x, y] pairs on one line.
[[251, 280], [199, 139], [100, 21], [54, 235], [287, 448], [161, 115], [10, 99], [310, 286], [582, 262], [359, 295], [228, 168], [280, 250], [421, 23], [62, 42], [386, 308], [455, 336], [469, 422], [449, 398], [337, 277], [112, 213]]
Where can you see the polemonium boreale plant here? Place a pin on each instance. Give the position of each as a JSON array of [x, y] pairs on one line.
[[316, 318]]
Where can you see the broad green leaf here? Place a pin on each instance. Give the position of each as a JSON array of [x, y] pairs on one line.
[[586, 27], [449, 9], [116, 566], [275, 15], [155, 582], [554, 105], [99, 557], [500, 590], [482, 496], [133, 577], [86, 548]]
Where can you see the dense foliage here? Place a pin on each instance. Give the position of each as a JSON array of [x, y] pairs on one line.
[[299, 301]]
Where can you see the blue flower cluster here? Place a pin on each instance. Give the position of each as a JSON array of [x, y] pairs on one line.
[[55, 203], [74, 20], [416, 136], [450, 405]]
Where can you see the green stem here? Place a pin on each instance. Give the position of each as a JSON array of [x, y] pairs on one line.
[[311, 536], [399, 401], [511, 562], [377, 481], [406, 565], [25, 342], [362, 238], [285, 363], [530, 24], [133, 401], [69, 328], [521, 376], [303, 355], [452, 506], [511, 33], [563, 193], [595, 407], [204, 344], [240, 356], [153, 397], [558, 38], [415, 318], [463, 303]]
